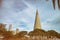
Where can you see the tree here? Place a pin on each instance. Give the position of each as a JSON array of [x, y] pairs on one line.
[[37, 32], [8, 34], [21, 34], [52, 33]]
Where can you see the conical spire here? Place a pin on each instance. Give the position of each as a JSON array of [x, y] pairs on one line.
[[37, 24]]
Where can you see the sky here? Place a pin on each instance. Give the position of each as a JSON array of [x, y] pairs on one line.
[[21, 14]]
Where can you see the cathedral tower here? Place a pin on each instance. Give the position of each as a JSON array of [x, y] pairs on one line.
[[37, 24]]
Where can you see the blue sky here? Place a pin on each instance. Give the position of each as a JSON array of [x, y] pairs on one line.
[[21, 14]]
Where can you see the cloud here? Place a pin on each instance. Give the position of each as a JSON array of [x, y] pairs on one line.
[[19, 5], [24, 20], [52, 23], [21, 19]]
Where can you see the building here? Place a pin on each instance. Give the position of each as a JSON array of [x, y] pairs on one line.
[[37, 24], [10, 27], [2, 26], [17, 30]]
